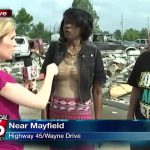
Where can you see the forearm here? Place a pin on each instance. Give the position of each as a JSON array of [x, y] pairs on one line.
[[22, 96], [98, 101], [45, 90], [98, 105], [133, 102]]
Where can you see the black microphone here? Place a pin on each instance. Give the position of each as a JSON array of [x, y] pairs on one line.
[[30, 73]]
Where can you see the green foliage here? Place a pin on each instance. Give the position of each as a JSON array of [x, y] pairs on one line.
[[26, 27], [47, 35], [87, 6], [144, 33], [25, 24], [105, 32], [131, 34], [38, 31], [23, 21], [117, 33]]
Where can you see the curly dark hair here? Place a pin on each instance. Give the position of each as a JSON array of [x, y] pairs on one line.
[[81, 19]]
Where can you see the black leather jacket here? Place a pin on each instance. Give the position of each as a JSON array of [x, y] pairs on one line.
[[91, 68]]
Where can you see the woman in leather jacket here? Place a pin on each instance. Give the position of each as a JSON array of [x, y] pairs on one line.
[[81, 75]]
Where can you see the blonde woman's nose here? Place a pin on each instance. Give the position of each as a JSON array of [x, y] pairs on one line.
[[14, 43]]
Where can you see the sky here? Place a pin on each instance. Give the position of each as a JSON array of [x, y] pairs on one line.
[[134, 13]]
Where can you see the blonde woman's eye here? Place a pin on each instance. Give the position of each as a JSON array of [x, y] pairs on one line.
[[12, 38]]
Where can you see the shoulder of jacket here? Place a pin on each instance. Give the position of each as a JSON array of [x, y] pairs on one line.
[[91, 45], [54, 43]]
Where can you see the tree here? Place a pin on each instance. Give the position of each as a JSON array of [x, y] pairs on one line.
[[144, 33], [47, 35], [131, 34], [87, 6], [23, 21], [38, 31], [118, 33], [104, 32]]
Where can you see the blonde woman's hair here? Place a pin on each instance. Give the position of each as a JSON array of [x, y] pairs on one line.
[[7, 25]]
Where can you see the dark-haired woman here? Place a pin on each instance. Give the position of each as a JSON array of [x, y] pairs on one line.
[[80, 70]]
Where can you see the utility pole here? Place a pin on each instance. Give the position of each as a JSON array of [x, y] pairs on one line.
[[148, 27], [121, 23], [148, 34]]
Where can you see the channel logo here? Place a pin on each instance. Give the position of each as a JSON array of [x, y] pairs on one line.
[[3, 126], [5, 13]]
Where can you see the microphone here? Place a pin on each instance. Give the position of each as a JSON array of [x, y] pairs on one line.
[[30, 73]]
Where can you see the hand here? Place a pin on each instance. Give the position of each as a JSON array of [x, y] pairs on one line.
[[26, 84], [33, 85], [30, 85], [41, 76], [52, 69]]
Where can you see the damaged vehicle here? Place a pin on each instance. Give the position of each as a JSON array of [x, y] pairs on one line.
[[116, 55], [118, 58]]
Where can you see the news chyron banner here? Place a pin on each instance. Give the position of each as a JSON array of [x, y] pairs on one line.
[[73, 130]]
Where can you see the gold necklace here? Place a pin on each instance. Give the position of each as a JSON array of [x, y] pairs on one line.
[[73, 53], [70, 60]]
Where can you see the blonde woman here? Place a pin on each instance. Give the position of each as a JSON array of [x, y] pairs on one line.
[[13, 94]]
